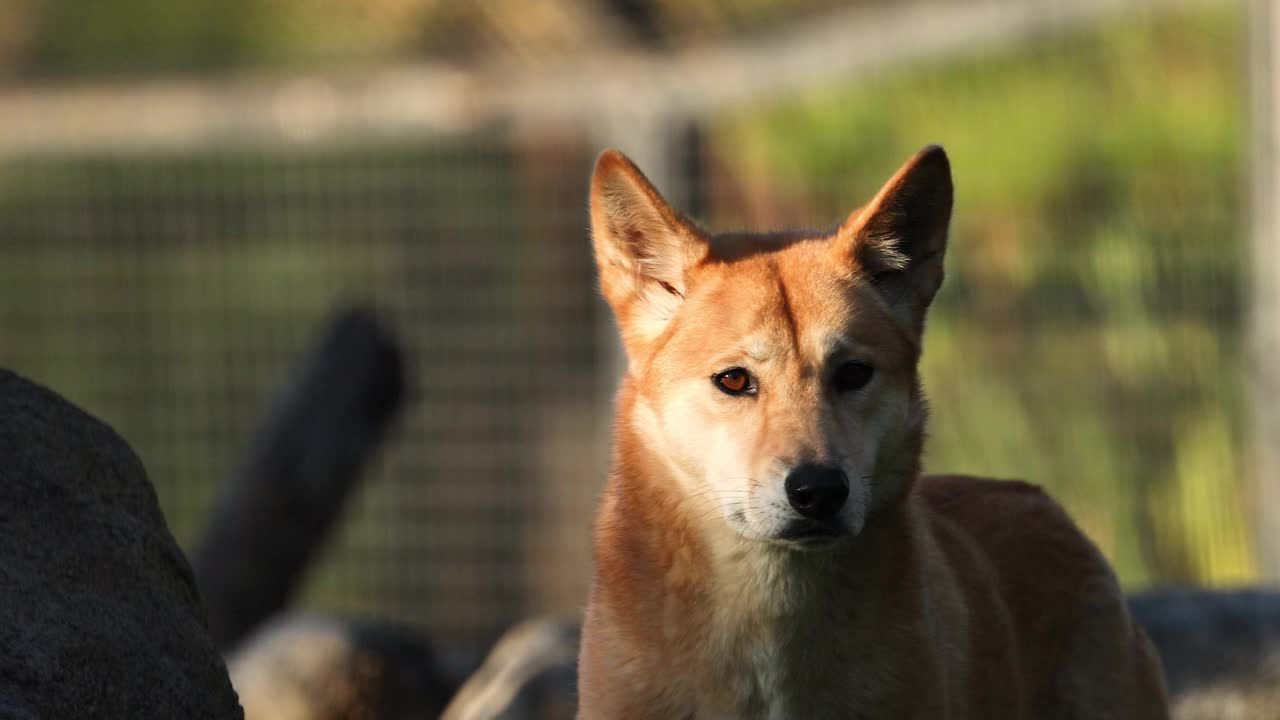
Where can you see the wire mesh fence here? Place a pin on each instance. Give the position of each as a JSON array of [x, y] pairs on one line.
[[169, 294], [1089, 335]]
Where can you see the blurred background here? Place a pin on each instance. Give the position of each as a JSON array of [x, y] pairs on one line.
[[188, 191]]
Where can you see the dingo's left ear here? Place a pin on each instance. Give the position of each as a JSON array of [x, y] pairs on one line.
[[643, 249], [899, 238]]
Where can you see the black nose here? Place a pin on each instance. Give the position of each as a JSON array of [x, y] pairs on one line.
[[817, 491]]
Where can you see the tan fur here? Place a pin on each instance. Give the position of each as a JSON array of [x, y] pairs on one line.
[[946, 597]]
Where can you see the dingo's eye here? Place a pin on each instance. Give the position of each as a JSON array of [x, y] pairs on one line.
[[734, 381], [852, 376]]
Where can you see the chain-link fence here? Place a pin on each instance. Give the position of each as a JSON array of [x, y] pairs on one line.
[[169, 295]]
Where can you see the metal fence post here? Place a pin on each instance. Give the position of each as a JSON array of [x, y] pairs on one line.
[[1264, 300]]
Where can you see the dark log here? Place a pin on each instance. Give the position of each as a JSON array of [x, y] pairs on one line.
[[307, 455], [1208, 635], [1220, 649]]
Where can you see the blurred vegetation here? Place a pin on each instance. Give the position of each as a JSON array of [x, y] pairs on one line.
[[1089, 334], [96, 38]]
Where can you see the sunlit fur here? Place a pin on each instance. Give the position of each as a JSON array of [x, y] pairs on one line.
[[942, 597], [789, 324]]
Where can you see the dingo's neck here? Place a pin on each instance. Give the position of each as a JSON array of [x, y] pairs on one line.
[[753, 619]]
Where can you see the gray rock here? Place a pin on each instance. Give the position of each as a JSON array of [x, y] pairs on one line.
[[101, 618], [318, 667]]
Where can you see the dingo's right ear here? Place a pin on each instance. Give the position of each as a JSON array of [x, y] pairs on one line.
[[643, 249]]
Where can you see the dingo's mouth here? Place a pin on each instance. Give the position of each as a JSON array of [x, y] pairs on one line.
[[812, 532]]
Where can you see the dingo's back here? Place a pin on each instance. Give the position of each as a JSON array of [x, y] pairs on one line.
[[765, 547]]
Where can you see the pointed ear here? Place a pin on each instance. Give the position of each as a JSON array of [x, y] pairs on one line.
[[643, 249], [898, 240]]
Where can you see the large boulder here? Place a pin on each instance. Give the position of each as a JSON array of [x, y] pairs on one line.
[[101, 616]]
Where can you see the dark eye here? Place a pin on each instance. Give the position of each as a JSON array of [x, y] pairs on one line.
[[734, 381], [852, 376]]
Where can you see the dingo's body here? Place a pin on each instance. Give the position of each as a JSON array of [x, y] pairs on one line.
[[765, 548]]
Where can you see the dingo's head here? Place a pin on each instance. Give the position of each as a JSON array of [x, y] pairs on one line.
[[774, 376]]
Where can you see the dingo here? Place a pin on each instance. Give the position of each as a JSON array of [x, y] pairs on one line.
[[765, 547]]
